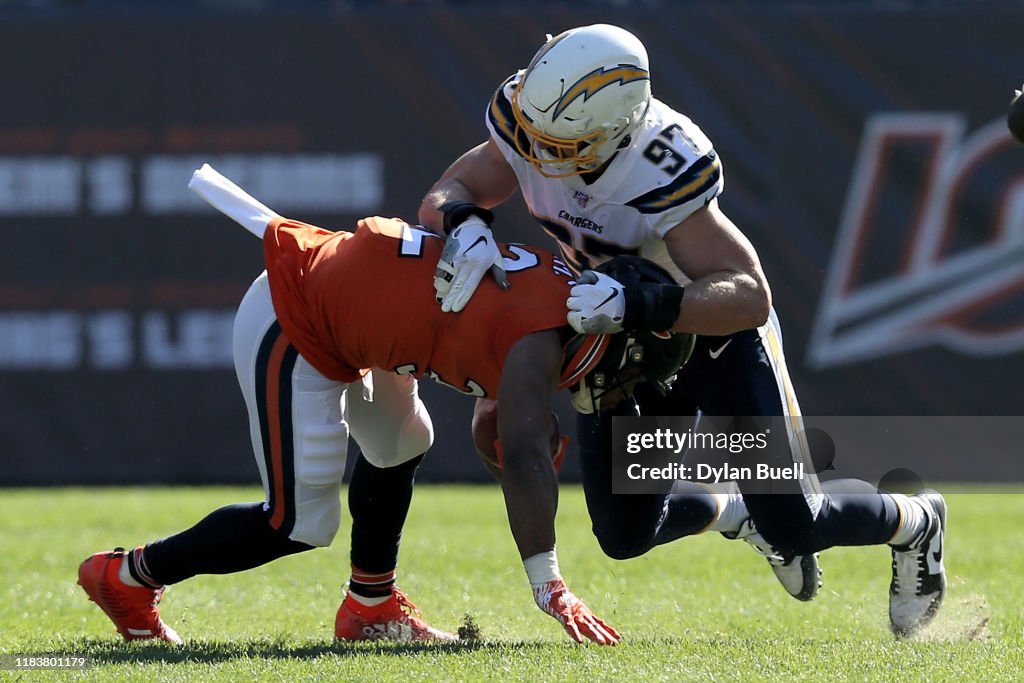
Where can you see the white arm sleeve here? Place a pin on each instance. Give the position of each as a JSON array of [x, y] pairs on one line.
[[231, 200]]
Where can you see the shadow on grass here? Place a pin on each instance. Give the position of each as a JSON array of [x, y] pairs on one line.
[[102, 651]]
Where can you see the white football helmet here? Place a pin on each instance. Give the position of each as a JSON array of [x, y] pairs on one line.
[[582, 93]]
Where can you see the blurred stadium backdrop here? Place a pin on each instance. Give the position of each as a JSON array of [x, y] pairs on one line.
[[865, 149]]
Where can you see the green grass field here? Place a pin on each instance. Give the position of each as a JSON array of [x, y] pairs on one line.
[[699, 609]]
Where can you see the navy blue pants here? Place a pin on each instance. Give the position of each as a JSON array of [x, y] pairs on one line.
[[740, 375]]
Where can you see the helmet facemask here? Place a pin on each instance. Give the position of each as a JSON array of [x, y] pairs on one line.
[[558, 157], [611, 381], [582, 94], [597, 368]]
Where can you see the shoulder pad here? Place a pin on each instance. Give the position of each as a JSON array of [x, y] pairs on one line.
[[500, 118], [696, 179]]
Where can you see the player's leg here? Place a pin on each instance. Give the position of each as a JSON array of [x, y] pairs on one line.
[[299, 440], [393, 430], [628, 525], [751, 379], [736, 375], [745, 376], [378, 502]]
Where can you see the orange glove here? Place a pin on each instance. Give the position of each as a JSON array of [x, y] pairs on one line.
[[555, 598]]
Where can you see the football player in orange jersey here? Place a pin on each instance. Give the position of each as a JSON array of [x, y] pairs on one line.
[[331, 306]]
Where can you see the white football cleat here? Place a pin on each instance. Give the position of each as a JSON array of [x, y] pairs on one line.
[[800, 575], [918, 575]]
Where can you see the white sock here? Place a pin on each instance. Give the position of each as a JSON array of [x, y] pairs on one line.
[[370, 602], [731, 508], [125, 575], [913, 520]]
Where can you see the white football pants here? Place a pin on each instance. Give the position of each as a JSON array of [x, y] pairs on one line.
[[300, 421]]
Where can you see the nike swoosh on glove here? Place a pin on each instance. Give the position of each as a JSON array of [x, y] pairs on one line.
[[597, 304], [555, 598], [469, 252]]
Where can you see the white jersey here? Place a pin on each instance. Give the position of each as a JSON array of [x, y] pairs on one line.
[[668, 171]]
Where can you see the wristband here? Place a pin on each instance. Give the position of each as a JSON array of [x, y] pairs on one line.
[[542, 568], [651, 307], [456, 212]]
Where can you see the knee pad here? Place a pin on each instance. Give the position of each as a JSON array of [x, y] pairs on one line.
[[414, 437], [317, 516]]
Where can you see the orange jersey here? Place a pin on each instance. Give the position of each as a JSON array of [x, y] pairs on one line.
[[352, 301]]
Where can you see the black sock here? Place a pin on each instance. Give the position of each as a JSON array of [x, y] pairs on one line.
[[230, 539], [378, 500]]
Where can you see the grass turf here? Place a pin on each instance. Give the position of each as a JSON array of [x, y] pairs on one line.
[[698, 609]]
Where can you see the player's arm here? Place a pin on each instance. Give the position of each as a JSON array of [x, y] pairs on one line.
[[458, 206], [481, 176], [529, 482], [728, 292], [530, 485]]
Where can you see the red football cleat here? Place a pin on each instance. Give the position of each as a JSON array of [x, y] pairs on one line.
[[396, 619], [133, 609]]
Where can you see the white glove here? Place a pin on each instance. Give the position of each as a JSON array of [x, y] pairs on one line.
[[469, 252], [596, 304]]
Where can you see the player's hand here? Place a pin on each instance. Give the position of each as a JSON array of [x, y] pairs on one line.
[[469, 252], [597, 304], [555, 598]]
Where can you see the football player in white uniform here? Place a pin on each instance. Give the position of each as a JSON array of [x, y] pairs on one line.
[[606, 169]]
